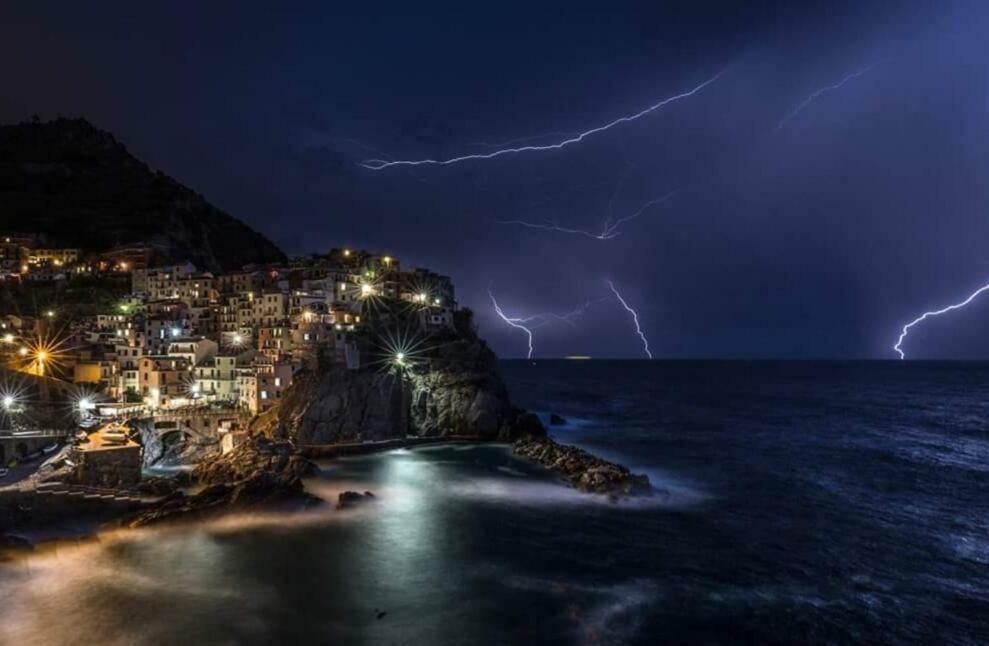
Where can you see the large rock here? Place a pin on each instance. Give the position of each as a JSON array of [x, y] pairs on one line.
[[349, 499], [584, 471], [333, 404], [260, 474], [455, 390]]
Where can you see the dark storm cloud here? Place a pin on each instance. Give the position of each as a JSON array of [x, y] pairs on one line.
[[819, 240]]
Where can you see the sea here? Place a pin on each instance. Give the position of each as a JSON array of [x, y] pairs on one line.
[[795, 503]]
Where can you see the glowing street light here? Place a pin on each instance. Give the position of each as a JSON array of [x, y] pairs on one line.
[[50, 314], [367, 290], [238, 339], [9, 401], [8, 338], [400, 358]]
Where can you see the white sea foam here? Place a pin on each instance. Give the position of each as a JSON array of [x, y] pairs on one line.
[[518, 491]]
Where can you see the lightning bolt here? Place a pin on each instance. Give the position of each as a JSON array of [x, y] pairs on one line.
[[536, 321], [611, 229], [572, 315], [514, 322], [521, 140], [926, 315], [635, 319], [824, 90], [380, 164]]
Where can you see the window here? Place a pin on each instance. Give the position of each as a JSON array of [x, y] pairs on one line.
[[278, 382], [264, 394]]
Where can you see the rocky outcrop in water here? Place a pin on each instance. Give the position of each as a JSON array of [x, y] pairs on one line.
[[258, 475], [349, 499], [584, 471]]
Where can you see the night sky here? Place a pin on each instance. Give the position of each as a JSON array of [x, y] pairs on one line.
[[815, 240]]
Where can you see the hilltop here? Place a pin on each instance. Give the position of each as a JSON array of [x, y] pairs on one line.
[[79, 187]]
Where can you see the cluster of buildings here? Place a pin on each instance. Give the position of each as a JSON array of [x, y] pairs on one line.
[[28, 257], [187, 338]]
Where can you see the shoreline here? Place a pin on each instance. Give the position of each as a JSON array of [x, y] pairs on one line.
[[572, 473]]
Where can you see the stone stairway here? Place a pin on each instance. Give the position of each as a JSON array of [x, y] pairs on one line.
[[84, 493]]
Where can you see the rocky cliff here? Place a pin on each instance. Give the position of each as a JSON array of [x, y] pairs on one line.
[[455, 389], [259, 475], [80, 187]]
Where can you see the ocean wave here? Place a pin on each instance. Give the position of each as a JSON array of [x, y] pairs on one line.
[[548, 493]]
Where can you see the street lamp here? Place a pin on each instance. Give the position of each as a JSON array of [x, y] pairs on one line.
[[85, 405]]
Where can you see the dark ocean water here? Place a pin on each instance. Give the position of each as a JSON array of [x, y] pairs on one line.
[[797, 503]]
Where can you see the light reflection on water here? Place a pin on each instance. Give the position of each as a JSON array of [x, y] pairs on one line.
[[416, 561]]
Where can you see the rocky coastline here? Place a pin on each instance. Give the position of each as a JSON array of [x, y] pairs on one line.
[[453, 393], [582, 470], [259, 475]]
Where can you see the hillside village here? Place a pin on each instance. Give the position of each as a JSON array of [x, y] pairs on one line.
[[194, 351]]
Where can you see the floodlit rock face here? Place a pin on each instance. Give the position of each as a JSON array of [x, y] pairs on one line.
[[455, 390], [581, 469], [459, 391], [79, 187]]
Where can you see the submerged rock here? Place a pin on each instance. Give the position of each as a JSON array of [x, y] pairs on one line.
[[584, 471], [352, 499]]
